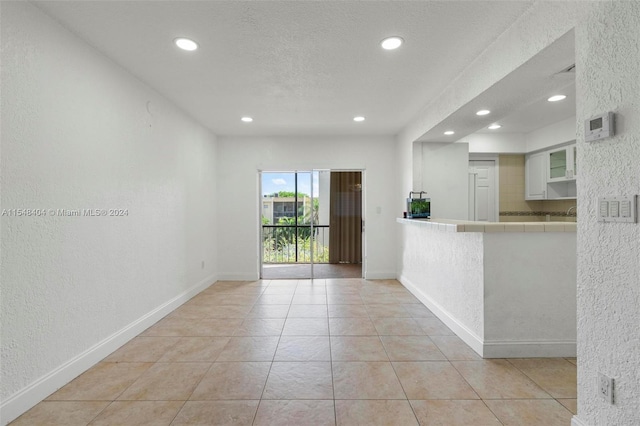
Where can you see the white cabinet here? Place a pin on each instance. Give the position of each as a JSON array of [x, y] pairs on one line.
[[561, 164], [574, 157], [535, 176], [551, 174]]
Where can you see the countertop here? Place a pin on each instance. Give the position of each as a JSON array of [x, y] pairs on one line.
[[451, 225]]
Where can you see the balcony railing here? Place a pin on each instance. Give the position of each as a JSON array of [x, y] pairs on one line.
[[295, 243]]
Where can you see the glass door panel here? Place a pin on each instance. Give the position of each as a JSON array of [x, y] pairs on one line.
[[287, 225], [297, 209], [304, 224], [558, 164]]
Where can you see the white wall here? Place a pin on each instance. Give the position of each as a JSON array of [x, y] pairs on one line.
[[506, 294], [76, 134], [607, 79], [239, 160], [445, 270], [607, 69], [536, 29], [324, 189], [406, 166], [554, 134], [442, 170], [521, 143], [530, 293], [502, 143]]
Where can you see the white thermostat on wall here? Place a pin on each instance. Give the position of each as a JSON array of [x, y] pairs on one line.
[[599, 127]]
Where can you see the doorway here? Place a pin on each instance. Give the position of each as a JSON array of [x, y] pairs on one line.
[[311, 224], [482, 191]]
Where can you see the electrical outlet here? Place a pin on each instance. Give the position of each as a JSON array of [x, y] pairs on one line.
[[605, 388]]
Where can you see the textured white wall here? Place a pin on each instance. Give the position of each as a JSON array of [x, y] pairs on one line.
[[507, 294], [76, 133], [542, 24], [608, 79], [406, 166], [504, 143], [239, 160], [447, 268], [530, 287], [442, 170], [554, 134], [521, 143]]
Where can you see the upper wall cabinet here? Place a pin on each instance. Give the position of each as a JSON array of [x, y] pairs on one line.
[[535, 181], [551, 174], [561, 164]]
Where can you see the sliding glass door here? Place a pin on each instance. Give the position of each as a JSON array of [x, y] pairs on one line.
[[289, 224], [311, 224]]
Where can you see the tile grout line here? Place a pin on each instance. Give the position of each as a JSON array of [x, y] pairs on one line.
[[212, 363], [255, 415], [217, 356], [399, 381], [484, 400], [491, 411], [101, 411], [359, 289], [333, 385], [541, 387]]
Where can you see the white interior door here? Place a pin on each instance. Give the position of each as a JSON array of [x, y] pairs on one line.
[[482, 190]]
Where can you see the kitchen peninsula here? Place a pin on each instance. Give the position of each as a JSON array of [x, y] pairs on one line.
[[507, 289]]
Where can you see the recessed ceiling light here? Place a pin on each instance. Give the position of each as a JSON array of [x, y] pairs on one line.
[[556, 98], [391, 43], [449, 132], [247, 119], [186, 44], [358, 118], [494, 126], [483, 112]]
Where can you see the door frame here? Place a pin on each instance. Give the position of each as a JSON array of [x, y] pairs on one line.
[[496, 159], [363, 234], [260, 248]]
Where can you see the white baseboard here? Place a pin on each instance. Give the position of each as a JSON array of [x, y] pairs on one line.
[[495, 348], [529, 349], [373, 275], [23, 400], [468, 336], [575, 421], [380, 275], [238, 277]]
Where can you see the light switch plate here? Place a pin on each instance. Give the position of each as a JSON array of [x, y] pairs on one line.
[[618, 209]]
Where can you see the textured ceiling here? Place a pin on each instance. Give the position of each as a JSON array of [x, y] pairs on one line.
[[296, 67], [539, 112], [518, 102]]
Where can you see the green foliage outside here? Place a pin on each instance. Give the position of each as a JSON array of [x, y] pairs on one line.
[[279, 243], [288, 194]]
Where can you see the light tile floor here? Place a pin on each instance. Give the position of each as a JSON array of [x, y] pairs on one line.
[[321, 352]]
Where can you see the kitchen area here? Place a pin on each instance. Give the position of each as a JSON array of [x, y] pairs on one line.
[[496, 261]]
